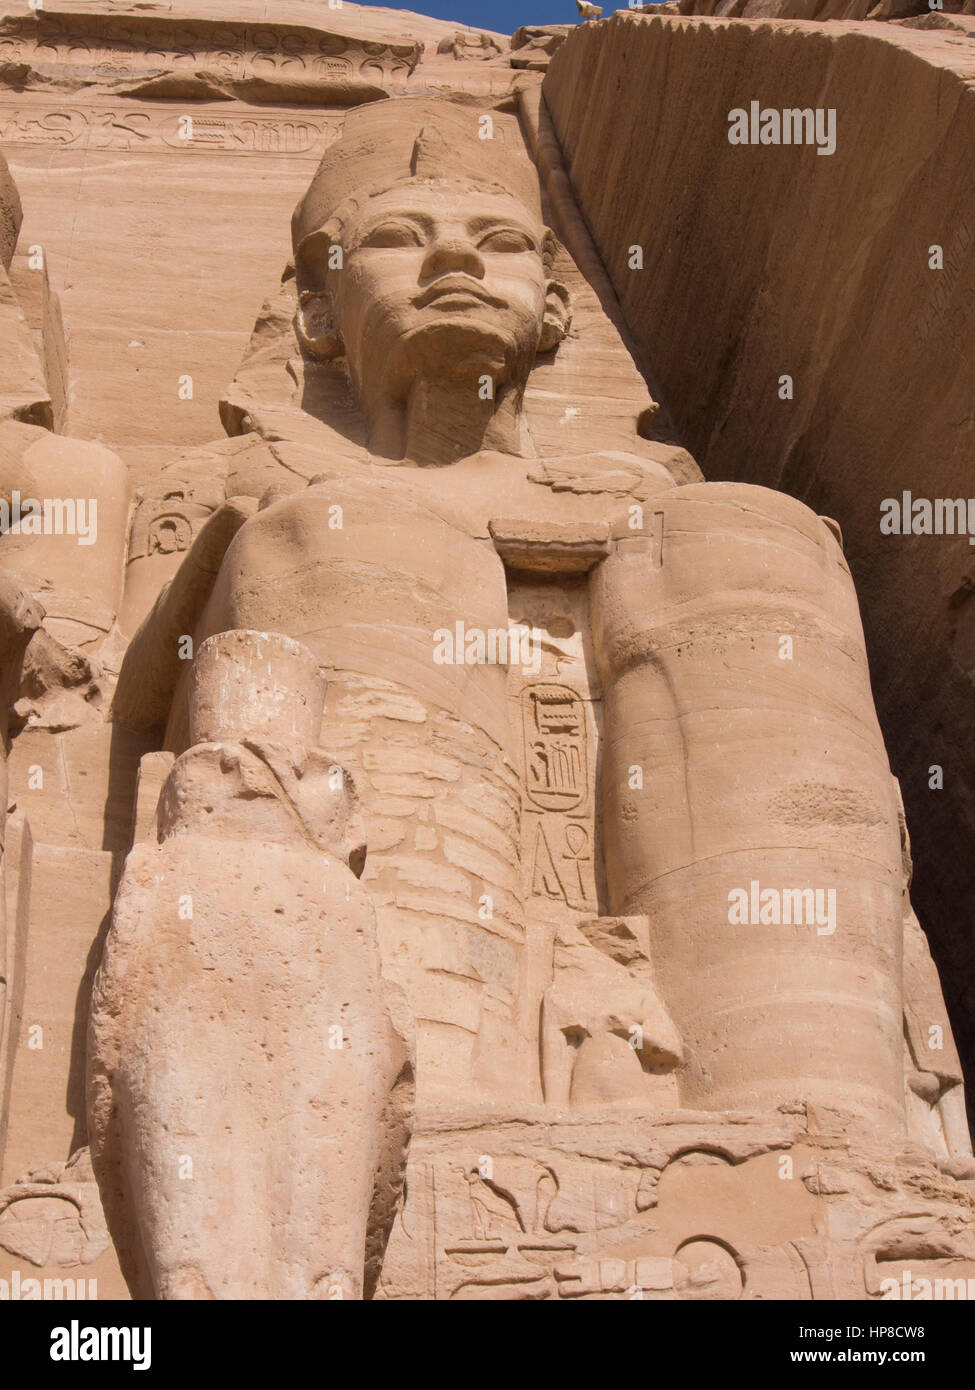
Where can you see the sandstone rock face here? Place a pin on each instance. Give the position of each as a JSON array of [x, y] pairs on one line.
[[451, 850], [910, 10], [762, 262]]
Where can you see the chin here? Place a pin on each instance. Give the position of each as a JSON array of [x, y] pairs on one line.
[[473, 332], [468, 336]]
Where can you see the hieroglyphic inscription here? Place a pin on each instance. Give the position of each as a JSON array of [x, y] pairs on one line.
[[129, 128], [557, 783], [556, 710], [555, 747], [121, 46]]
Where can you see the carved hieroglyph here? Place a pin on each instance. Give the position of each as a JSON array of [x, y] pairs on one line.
[[167, 56]]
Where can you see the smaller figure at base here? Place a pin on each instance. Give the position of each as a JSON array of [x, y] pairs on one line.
[[249, 1096]]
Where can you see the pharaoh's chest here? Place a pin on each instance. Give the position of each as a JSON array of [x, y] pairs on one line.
[[402, 547], [410, 532], [363, 578]]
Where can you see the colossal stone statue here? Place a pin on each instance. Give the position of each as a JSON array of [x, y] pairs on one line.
[[631, 840]]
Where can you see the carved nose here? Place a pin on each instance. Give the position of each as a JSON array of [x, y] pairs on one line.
[[453, 254]]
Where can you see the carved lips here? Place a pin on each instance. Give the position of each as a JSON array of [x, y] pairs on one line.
[[457, 288]]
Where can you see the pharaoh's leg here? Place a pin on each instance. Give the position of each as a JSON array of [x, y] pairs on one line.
[[246, 1079], [747, 785], [934, 1090]]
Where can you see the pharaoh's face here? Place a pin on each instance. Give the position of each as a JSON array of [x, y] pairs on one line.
[[440, 281]]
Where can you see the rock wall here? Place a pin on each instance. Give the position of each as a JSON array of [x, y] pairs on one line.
[[761, 261], [181, 138], [818, 9]]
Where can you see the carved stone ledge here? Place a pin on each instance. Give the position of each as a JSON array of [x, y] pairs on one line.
[[549, 546], [198, 59]]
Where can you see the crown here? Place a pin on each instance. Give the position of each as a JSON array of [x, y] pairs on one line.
[[390, 142]]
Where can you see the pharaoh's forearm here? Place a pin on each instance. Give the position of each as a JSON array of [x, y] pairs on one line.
[[152, 663]]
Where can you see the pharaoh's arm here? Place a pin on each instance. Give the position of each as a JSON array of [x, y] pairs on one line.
[[152, 663]]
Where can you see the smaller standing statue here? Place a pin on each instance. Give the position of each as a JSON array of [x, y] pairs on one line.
[[249, 1096]]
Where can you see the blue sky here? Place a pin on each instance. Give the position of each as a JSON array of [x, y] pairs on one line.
[[502, 16]]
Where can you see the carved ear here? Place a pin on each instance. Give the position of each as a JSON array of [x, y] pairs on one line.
[[317, 322], [558, 316], [318, 332]]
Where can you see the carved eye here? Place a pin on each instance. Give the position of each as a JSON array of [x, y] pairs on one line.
[[391, 234], [506, 239]]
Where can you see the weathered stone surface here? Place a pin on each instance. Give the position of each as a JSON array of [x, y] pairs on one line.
[[240, 994], [907, 11], [761, 262], [451, 851]]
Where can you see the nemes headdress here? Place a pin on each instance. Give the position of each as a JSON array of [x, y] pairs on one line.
[[394, 141]]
